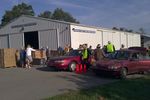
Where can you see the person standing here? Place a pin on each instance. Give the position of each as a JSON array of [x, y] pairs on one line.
[[122, 46], [67, 48], [110, 48], [29, 56], [85, 55], [22, 57], [98, 53]]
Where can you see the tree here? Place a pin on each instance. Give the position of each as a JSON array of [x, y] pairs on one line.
[[45, 14], [61, 15], [16, 11], [115, 28], [141, 30]]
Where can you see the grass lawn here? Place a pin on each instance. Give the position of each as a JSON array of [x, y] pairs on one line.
[[131, 89]]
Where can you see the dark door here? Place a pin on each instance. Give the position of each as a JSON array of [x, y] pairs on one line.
[[31, 38]]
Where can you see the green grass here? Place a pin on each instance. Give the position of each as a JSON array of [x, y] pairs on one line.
[[131, 89]]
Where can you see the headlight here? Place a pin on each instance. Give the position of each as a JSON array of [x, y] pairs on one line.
[[59, 61], [113, 67]]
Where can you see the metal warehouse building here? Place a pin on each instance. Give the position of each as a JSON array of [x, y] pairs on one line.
[[41, 32]]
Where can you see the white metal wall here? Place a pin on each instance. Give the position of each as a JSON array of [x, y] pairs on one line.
[[81, 35]]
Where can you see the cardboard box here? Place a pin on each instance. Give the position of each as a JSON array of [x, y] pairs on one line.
[[38, 54], [7, 58]]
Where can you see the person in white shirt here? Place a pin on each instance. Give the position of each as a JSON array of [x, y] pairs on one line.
[[29, 56]]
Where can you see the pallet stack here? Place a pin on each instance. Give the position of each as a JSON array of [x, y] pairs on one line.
[[39, 54], [7, 58]]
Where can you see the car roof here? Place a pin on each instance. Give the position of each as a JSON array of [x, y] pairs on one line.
[[133, 51]]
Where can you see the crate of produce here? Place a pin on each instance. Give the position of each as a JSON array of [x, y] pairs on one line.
[[7, 58], [38, 54]]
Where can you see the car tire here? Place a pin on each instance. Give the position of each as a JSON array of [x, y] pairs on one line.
[[123, 73], [72, 66]]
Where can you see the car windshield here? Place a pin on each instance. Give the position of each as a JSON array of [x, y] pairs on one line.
[[74, 53], [122, 55]]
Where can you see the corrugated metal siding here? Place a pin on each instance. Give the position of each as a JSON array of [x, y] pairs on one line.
[[63, 29], [16, 40], [4, 41], [107, 36], [116, 40], [48, 38]]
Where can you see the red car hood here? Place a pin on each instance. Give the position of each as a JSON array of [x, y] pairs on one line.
[[109, 62], [62, 57]]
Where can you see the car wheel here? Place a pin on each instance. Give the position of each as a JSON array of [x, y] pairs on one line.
[[123, 73], [72, 66]]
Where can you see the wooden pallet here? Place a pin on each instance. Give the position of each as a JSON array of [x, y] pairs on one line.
[[7, 58]]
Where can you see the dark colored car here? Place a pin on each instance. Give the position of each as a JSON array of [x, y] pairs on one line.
[[66, 62], [123, 62]]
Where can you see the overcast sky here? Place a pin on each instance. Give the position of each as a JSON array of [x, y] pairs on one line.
[[131, 14]]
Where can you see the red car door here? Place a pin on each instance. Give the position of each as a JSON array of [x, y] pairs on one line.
[[133, 63], [144, 63]]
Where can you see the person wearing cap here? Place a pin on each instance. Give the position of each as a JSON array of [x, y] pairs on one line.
[[110, 48], [98, 53], [122, 47]]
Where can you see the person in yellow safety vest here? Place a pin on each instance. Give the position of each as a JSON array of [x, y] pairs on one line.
[[85, 55], [110, 47]]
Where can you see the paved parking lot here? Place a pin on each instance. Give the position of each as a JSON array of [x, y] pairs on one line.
[[40, 82]]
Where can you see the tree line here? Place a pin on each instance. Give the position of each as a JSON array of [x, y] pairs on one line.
[[25, 9], [57, 14]]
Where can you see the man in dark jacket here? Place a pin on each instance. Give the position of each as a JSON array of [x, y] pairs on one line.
[[98, 53]]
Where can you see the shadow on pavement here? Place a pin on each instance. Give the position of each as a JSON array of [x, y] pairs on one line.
[[47, 69], [86, 80]]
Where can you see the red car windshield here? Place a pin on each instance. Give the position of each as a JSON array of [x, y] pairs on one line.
[[121, 55], [74, 53]]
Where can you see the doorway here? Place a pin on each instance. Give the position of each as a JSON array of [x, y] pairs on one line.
[[31, 38]]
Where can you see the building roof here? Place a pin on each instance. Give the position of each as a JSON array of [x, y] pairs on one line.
[[146, 35], [58, 21]]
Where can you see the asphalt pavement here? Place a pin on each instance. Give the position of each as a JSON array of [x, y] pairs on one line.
[[41, 82]]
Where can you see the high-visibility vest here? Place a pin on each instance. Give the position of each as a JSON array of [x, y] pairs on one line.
[[110, 48], [85, 54]]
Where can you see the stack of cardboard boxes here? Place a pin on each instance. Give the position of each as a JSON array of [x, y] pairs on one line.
[[7, 58]]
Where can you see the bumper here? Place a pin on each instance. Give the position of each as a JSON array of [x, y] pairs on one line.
[[60, 66]]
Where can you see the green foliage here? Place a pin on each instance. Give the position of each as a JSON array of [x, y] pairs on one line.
[[16, 11], [45, 14], [133, 89], [61, 15]]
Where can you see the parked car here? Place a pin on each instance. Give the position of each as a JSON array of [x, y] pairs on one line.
[[123, 62], [66, 62]]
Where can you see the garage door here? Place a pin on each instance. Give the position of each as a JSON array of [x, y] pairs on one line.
[[4, 41], [130, 40], [16, 41], [107, 36], [48, 38], [116, 40], [124, 39]]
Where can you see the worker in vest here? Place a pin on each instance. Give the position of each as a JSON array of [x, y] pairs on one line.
[[85, 55], [110, 48]]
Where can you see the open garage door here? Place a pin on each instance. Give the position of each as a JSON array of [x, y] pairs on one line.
[[31, 38]]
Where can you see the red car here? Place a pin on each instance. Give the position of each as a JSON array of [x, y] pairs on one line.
[[66, 62], [123, 62]]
